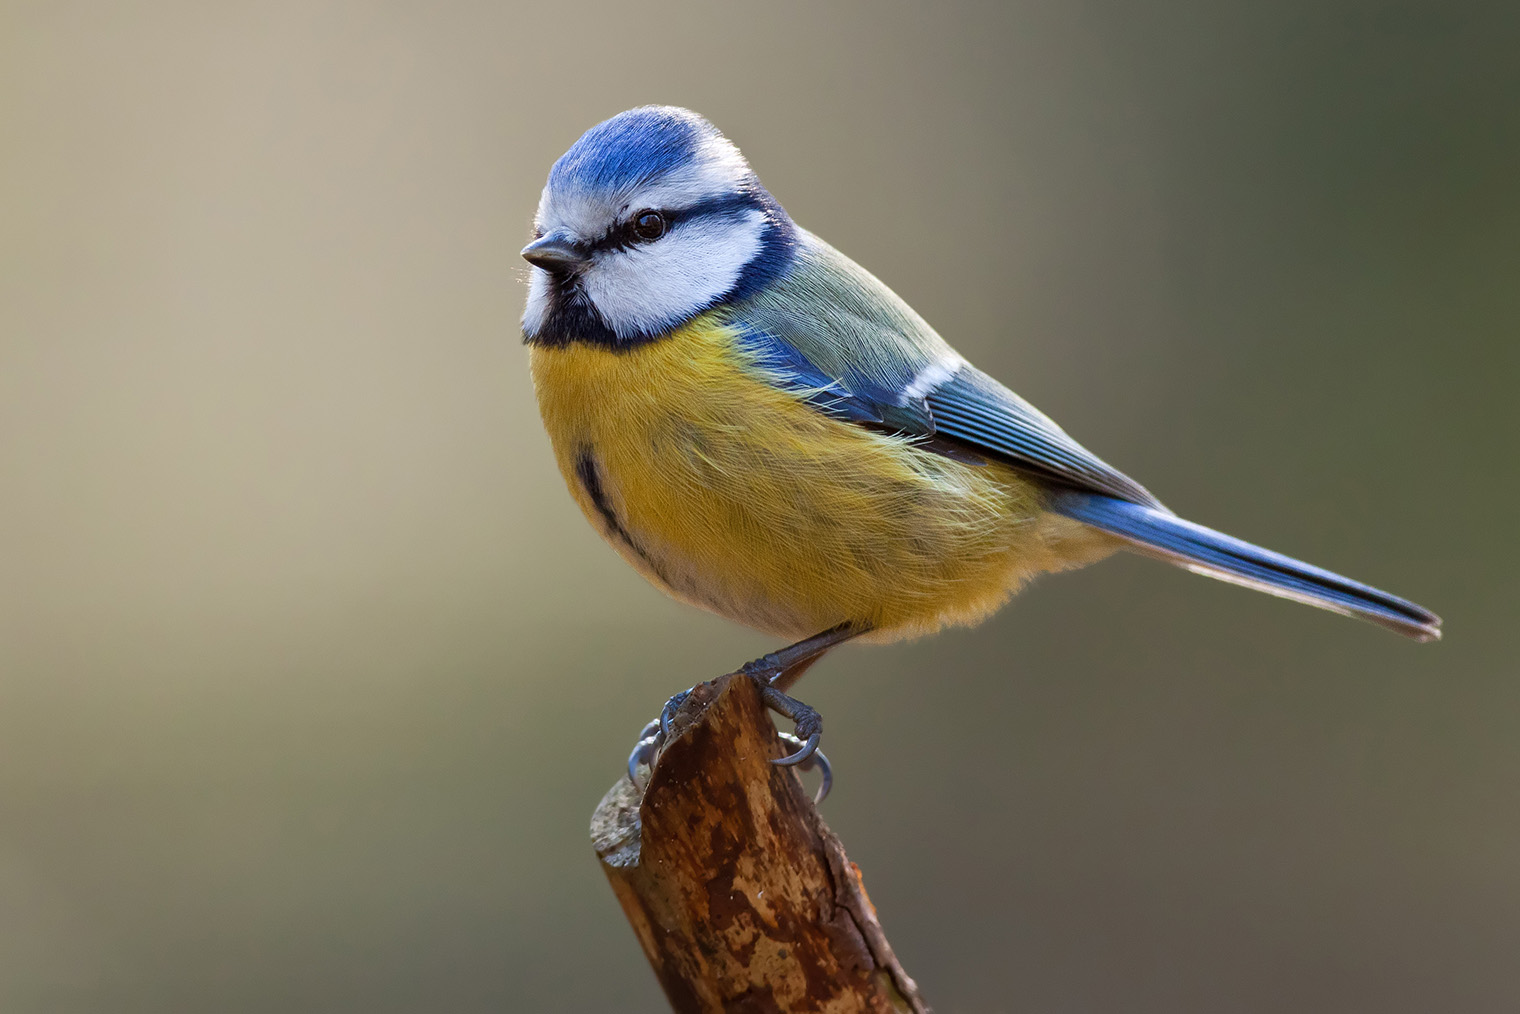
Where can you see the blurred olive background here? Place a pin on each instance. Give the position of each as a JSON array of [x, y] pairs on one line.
[[311, 674]]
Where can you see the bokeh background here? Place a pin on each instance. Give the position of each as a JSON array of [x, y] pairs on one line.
[[311, 674]]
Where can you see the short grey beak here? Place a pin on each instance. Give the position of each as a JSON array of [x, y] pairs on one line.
[[556, 251]]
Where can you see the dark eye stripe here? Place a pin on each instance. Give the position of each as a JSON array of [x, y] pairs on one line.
[[623, 235], [731, 205]]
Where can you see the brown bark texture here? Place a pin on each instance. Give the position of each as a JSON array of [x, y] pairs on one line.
[[741, 897]]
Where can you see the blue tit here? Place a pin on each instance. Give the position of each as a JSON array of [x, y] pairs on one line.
[[764, 429]]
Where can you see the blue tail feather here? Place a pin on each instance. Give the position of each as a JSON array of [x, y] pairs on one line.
[[1205, 551]]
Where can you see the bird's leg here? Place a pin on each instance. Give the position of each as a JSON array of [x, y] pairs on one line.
[[773, 674]]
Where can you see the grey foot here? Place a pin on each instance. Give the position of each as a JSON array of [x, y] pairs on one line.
[[805, 756]]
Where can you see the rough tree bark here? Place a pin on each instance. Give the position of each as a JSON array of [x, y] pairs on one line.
[[742, 899]]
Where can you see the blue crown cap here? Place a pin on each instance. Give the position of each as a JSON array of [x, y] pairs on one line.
[[632, 148]]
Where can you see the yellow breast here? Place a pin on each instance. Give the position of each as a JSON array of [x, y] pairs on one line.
[[738, 496]]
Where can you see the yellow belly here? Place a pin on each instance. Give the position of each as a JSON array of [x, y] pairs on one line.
[[739, 497]]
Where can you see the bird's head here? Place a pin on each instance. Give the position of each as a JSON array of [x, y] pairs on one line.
[[649, 219]]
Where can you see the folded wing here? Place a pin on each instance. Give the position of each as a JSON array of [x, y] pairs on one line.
[[844, 341]]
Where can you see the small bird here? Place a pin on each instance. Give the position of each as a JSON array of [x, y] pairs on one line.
[[764, 429]]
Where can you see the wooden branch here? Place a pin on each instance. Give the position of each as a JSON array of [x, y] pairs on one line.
[[741, 897]]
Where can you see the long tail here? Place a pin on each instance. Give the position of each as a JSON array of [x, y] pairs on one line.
[[1205, 551]]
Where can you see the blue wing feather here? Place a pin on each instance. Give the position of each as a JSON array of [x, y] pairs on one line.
[[835, 334], [974, 408], [845, 342], [790, 369], [1206, 551]]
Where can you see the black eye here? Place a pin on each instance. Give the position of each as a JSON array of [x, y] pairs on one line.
[[648, 225]]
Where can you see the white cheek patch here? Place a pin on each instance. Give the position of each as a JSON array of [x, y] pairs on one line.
[[645, 289], [538, 300]]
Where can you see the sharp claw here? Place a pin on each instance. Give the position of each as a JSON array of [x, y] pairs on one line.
[[828, 778], [643, 754], [817, 759], [652, 737], [644, 749], [809, 748]]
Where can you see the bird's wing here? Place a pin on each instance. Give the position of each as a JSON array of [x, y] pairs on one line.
[[834, 332]]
